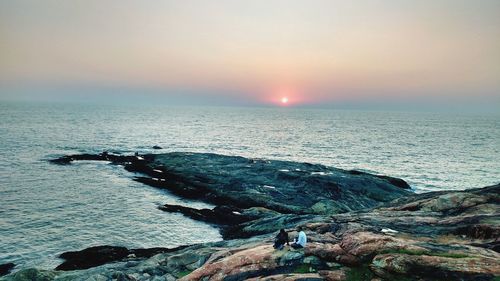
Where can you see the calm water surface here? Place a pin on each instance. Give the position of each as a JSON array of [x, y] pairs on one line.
[[47, 209]]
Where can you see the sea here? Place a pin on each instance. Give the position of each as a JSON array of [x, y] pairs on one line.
[[47, 209]]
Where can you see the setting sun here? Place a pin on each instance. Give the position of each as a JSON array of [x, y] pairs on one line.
[[284, 100]]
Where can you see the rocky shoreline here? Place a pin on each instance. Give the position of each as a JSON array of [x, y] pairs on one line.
[[360, 226]]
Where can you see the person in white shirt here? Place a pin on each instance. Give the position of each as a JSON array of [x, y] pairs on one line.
[[301, 240]]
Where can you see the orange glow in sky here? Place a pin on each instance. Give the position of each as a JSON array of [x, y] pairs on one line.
[[252, 52], [283, 96]]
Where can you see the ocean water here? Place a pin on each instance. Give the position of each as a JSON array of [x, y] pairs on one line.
[[47, 209]]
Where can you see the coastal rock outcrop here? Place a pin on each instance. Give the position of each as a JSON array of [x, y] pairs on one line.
[[282, 186], [254, 196], [391, 242], [359, 226]]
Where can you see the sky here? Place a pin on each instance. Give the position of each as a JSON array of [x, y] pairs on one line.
[[313, 52]]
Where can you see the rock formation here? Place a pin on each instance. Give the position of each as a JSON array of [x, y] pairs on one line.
[[359, 226]]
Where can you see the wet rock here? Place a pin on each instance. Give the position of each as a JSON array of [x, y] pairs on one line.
[[395, 181], [157, 147], [99, 255], [221, 215], [91, 257], [105, 156], [274, 185], [6, 268], [281, 186], [355, 223]]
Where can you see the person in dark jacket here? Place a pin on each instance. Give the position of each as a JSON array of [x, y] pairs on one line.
[[281, 239]]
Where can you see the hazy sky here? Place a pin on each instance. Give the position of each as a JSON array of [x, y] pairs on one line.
[[251, 52]]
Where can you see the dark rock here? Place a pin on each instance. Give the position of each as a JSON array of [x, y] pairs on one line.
[[278, 187], [494, 245], [6, 268], [157, 147], [282, 186], [479, 231], [241, 223], [92, 257], [95, 256], [352, 219], [245, 189], [267, 225], [105, 156], [395, 181], [221, 215], [149, 252]]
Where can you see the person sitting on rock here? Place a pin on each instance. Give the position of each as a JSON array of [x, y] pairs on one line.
[[281, 239], [301, 240]]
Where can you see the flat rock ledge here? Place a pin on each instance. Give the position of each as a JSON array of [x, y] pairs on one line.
[[449, 235], [281, 186], [254, 196]]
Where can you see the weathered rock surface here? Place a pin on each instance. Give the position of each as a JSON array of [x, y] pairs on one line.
[[255, 196], [391, 266], [393, 242], [281, 186], [449, 235]]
